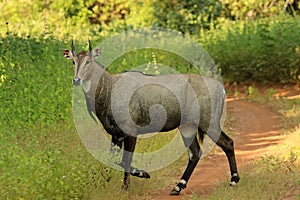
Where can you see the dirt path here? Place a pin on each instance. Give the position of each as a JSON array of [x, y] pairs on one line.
[[255, 130]]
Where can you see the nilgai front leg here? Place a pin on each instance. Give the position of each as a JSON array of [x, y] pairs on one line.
[[129, 146]]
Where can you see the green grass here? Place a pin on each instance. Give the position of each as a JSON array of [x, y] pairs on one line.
[[41, 163], [261, 181]]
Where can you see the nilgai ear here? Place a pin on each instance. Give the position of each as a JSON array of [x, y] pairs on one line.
[[97, 53], [68, 54]]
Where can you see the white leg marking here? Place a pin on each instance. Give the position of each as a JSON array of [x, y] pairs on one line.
[[232, 183], [134, 170], [182, 181], [190, 154]]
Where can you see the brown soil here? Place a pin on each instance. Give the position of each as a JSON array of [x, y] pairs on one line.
[[255, 130]]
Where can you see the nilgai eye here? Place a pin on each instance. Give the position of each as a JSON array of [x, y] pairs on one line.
[[87, 62]]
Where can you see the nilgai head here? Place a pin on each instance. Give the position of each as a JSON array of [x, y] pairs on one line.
[[83, 62]]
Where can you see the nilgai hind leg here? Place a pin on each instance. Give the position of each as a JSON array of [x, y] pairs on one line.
[[226, 144], [190, 140]]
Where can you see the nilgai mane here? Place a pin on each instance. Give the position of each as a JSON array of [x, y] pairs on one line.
[[190, 102]]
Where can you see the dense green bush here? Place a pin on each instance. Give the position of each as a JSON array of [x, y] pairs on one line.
[[85, 17], [249, 40], [36, 81], [264, 50]]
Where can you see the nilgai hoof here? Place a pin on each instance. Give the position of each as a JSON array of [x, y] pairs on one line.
[[234, 180], [174, 192], [140, 173], [146, 175]]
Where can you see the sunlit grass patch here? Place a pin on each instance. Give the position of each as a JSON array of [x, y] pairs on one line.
[[48, 162], [267, 178]]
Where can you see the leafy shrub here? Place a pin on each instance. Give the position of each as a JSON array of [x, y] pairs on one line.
[[248, 9], [85, 17], [264, 50], [36, 82]]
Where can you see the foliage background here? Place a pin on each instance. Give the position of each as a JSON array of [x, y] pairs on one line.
[[266, 32], [40, 153]]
